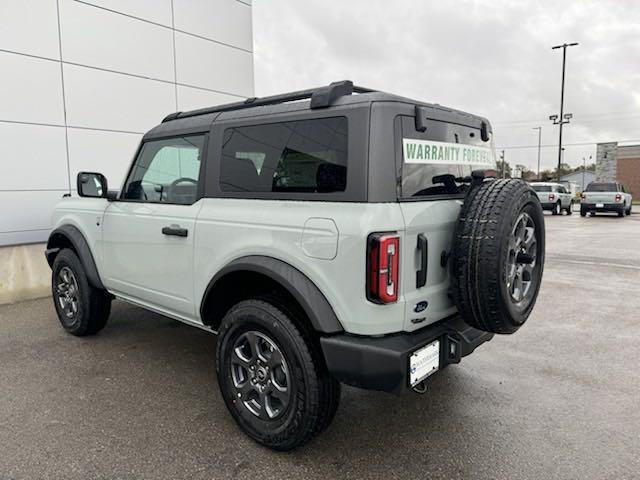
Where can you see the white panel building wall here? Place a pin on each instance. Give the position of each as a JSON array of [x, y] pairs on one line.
[[82, 80]]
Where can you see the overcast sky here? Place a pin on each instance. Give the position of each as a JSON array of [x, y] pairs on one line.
[[489, 57]]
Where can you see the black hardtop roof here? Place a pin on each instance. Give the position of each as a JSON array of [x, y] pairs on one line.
[[336, 94]]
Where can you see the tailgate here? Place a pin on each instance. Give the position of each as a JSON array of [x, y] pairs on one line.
[[436, 221], [433, 163], [600, 197]]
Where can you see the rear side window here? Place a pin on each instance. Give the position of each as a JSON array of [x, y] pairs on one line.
[[602, 187], [299, 156], [434, 160], [542, 188]]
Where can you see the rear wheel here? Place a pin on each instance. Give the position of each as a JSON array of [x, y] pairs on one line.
[[583, 212], [629, 210], [82, 309], [622, 211], [557, 209], [272, 375], [570, 208], [498, 255]]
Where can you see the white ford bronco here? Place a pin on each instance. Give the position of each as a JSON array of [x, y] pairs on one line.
[[332, 235]]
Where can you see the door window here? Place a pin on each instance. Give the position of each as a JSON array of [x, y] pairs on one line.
[[166, 171]]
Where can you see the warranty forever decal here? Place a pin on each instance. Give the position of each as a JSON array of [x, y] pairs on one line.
[[426, 151]]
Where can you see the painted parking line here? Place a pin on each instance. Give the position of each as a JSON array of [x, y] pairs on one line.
[[597, 264]]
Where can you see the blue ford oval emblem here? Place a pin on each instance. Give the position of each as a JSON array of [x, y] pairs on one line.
[[421, 306]]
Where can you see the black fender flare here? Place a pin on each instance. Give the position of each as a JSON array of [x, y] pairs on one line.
[[75, 237], [306, 293]]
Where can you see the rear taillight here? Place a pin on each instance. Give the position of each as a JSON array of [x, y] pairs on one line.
[[552, 197], [618, 197], [583, 196], [383, 263]]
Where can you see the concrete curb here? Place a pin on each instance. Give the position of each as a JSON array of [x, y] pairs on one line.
[[24, 273]]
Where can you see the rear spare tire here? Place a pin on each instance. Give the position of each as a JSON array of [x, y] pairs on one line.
[[497, 256]]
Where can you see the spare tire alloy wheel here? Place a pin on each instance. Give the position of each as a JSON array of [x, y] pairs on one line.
[[260, 375], [521, 259], [497, 256]]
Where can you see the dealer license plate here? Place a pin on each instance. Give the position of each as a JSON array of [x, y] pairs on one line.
[[424, 362], [599, 205]]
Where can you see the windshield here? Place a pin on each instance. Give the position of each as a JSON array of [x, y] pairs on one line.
[[602, 187], [542, 188], [435, 161]]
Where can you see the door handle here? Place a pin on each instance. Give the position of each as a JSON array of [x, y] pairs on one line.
[[423, 248], [175, 230]]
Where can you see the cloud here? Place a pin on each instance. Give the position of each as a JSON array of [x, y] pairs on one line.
[[493, 58]]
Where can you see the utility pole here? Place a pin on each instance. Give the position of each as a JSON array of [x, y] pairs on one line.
[[539, 139], [564, 118], [503, 163]]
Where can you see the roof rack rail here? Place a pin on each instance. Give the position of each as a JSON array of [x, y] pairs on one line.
[[321, 97]]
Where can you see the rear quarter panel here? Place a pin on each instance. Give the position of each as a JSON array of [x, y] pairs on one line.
[[227, 229]]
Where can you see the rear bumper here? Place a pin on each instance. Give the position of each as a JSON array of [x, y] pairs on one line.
[[382, 363], [549, 206], [607, 207]]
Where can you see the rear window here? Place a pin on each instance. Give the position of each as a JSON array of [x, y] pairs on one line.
[[299, 156], [542, 188], [435, 160], [602, 187]]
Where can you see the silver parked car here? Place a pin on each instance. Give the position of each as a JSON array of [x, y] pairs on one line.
[[605, 197], [554, 197]]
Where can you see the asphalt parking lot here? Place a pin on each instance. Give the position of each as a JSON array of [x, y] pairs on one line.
[[559, 399]]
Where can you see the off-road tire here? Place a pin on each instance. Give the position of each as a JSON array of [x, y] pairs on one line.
[[93, 304], [481, 252], [315, 395]]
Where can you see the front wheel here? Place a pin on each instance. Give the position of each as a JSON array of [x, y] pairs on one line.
[[82, 309], [272, 375]]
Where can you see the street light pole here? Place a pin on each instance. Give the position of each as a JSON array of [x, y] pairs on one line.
[[563, 118], [584, 169], [539, 139]]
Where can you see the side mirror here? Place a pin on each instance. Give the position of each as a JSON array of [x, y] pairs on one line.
[[92, 184]]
